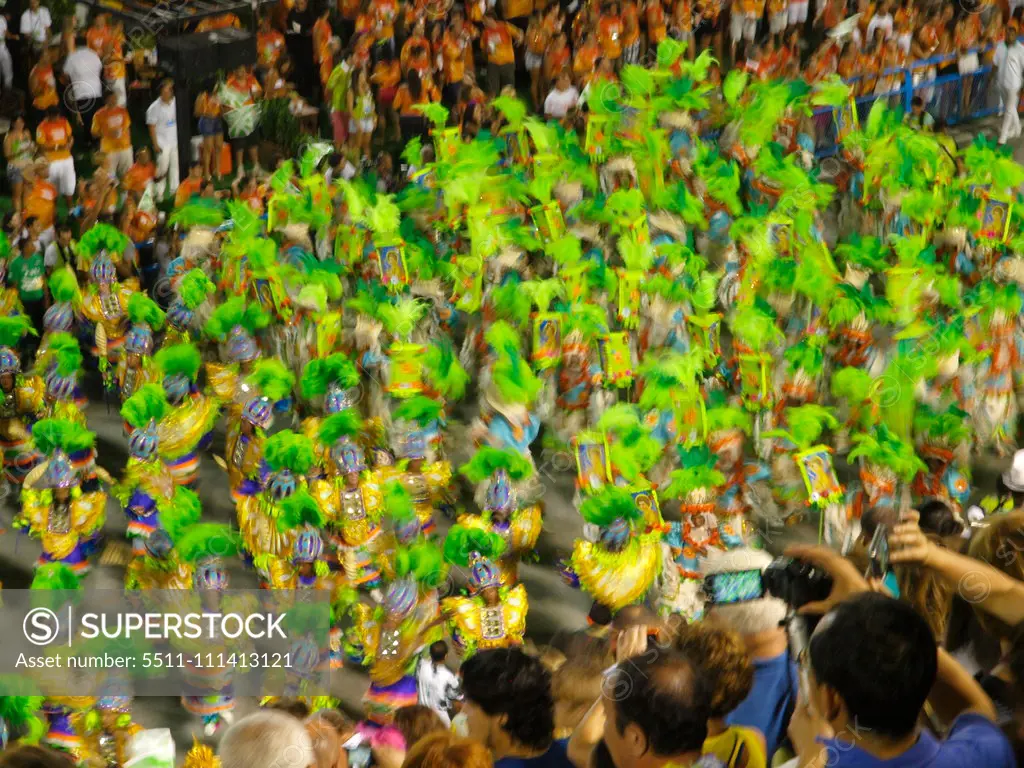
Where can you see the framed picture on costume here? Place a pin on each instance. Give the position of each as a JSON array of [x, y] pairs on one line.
[[592, 470], [548, 220], [647, 502], [846, 119], [547, 340], [405, 371], [819, 475], [390, 257], [995, 218], [446, 142], [629, 297], [616, 359], [468, 290]]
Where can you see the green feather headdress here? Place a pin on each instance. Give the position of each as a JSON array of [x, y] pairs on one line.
[[321, 372], [419, 409], [611, 503], [867, 252], [668, 377], [272, 379], [289, 450], [179, 360], [806, 425], [724, 418], [13, 328], [401, 318], [148, 403], [884, 448], [207, 540], [62, 348], [184, 512], [444, 369], [398, 503], [142, 310], [424, 562], [950, 427], [807, 355], [20, 708], [697, 471], [63, 286], [299, 510], [194, 287], [515, 380], [486, 461], [55, 577], [854, 385], [511, 303], [512, 109], [754, 325], [346, 423], [51, 434], [236, 313], [198, 213], [463, 545], [103, 237]]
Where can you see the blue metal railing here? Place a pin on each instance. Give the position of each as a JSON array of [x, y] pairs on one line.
[[950, 98]]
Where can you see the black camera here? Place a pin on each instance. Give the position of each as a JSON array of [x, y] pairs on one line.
[[796, 583]]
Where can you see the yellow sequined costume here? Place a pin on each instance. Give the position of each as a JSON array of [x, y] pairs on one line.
[[130, 379], [182, 431], [428, 488], [224, 380], [110, 313], [618, 579], [63, 536], [353, 522], [242, 454], [257, 522], [520, 536], [474, 626], [25, 400]]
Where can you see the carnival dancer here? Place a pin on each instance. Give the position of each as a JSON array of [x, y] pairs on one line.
[[506, 507], [187, 427], [193, 289], [351, 497], [209, 692], [66, 298], [21, 403], [493, 615], [147, 486], [619, 567], [234, 324], [328, 385], [135, 364], [427, 483], [105, 305], [269, 520], [54, 507]]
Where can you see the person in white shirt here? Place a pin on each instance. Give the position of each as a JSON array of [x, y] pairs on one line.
[[83, 70], [6, 64], [562, 97], [1010, 66], [436, 685], [35, 25], [162, 119], [881, 20]]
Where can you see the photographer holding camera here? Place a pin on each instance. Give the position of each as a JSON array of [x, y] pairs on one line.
[[870, 668]]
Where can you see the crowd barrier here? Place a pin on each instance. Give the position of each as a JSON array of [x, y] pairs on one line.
[[950, 97]]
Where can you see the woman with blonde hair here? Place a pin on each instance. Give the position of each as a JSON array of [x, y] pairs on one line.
[[446, 750]]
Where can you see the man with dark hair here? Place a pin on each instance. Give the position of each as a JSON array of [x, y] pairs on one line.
[[658, 713], [510, 710], [872, 663]]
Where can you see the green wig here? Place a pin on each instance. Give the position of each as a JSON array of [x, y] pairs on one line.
[[289, 450], [148, 403], [487, 460], [179, 360], [464, 544]]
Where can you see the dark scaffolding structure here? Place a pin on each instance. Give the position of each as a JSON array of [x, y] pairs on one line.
[[188, 57]]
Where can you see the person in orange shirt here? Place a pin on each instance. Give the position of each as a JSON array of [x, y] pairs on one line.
[[517, 11], [42, 84], [557, 58], [416, 51], [113, 63], [191, 185], [98, 35], [269, 45], [456, 57], [384, 14], [321, 34], [657, 27], [241, 81], [585, 60], [411, 93], [778, 18], [40, 199], [221, 21], [387, 74], [208, 111], [141, 174], [609, 34], [630, 32], [537, 40], [112, 125], [498, 40], [54, 137], [743, 21]]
